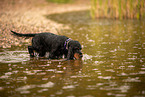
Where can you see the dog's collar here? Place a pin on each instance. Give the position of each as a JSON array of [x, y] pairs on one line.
[[66, 43]]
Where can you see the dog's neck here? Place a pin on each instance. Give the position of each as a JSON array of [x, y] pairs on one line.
[[66, 43]]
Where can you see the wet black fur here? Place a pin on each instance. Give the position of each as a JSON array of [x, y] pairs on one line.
[[54, 44]]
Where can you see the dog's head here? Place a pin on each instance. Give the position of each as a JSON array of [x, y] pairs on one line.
[[77, 53], [74, 51]]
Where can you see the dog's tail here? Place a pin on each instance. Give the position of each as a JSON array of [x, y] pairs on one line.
[[26, 35]]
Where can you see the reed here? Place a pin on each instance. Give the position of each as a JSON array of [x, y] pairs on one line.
[[119, 3], [118, 9], [93, 8]]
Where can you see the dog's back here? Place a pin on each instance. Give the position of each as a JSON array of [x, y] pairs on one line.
[[48, 41]]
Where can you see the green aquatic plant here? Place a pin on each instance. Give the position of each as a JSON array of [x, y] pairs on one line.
[[93, 8], [118, 9], [138, 10]]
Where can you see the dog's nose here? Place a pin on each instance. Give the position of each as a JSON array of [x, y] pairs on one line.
[[81, 55]]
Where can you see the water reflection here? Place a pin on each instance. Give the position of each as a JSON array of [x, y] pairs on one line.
[[13, 56]]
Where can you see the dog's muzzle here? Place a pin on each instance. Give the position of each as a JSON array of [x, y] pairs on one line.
[[78, 55]]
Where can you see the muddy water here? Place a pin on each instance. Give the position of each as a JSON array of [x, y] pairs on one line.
[[113, 63]]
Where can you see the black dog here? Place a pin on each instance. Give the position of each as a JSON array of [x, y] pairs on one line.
[[56, 45]]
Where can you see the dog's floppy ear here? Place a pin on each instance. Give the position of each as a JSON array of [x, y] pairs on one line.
[[70, 53]]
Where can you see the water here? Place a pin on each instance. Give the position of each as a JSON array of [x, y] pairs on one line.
[[113, 63]]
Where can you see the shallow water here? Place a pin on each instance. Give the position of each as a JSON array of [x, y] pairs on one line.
[[113, 62]]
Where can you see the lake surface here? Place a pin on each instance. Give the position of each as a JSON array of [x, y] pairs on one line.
[[113, 62]]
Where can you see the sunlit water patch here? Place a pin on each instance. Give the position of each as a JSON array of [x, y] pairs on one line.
[[13, 56]]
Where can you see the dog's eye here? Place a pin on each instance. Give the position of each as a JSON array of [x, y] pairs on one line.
[[77, 48]]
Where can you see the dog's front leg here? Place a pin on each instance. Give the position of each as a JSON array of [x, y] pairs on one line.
[[42, 54], [30, 49], [52, 54]]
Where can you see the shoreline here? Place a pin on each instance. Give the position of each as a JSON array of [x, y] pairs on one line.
[[28, 16]]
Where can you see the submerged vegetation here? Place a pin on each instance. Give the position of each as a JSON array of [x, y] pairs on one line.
[[118, 9]]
